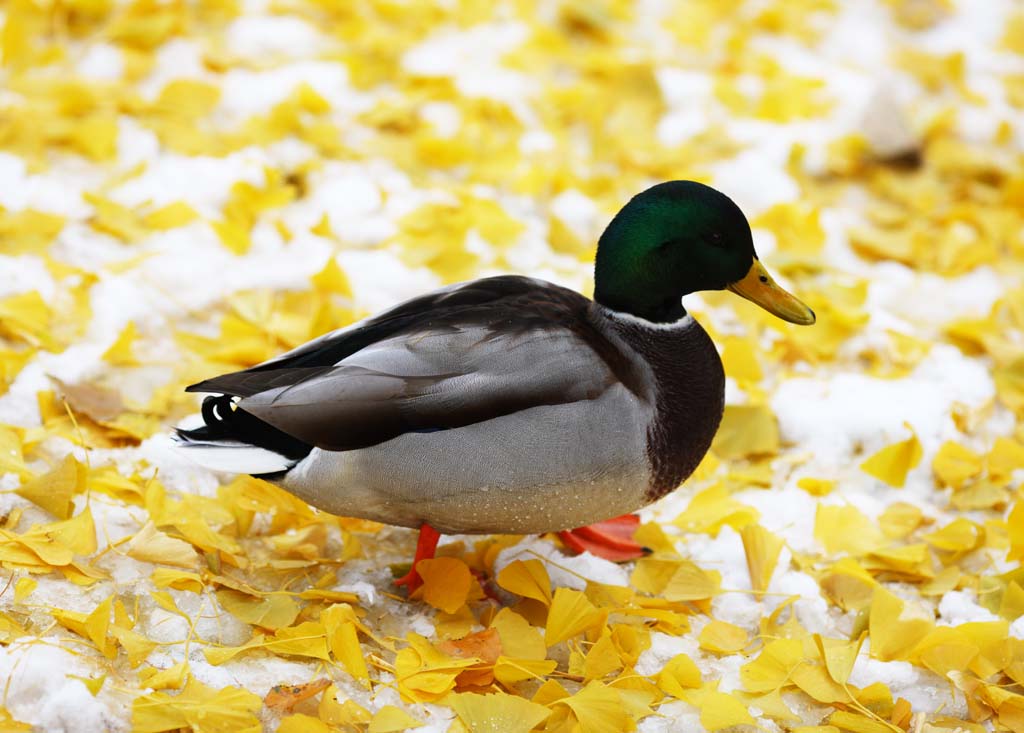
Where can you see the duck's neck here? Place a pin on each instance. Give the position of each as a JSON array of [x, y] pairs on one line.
[[688, 394]]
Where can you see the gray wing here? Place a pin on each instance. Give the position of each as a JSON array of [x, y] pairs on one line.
[[455, 357], [435, 381]]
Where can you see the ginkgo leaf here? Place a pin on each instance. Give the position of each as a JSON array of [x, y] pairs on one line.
[[602, 659], [528, 578], [839, 658], [892, 463], [719, 710], [342, 638], [691, 583], [23, 588], [773, 667], [446, 582], [894, 628], [762, 549], [570, 614], [300, 723], [172, 678], [1015, 529], [678, 675], [816, 486], [712, 508], [197, 707], [598, 709], [268, 612], [518, 638], [177, 579], [341, 712], [390, 719], [137, 646], [283, 698], [152, 545], [722, 637], [120, 352], [497, 713], [332, 279], [746, 430], [54, 491], [955, 464], [845, 529]]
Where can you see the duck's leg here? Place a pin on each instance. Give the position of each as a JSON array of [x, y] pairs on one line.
[[425, 547], [611, 539]]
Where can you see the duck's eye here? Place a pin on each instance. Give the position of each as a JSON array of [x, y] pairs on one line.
[[717, 239]]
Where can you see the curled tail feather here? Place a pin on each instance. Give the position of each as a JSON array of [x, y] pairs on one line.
[[232, 439]]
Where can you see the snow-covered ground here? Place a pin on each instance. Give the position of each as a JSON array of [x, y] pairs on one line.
[[188, 189]]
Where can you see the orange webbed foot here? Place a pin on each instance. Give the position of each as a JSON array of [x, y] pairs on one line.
[[611, 539]]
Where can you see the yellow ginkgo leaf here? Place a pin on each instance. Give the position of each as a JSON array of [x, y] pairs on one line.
[[678, 675], [120, 352], [23, 588], [498, 713], [171, 216], [299, 723], [332, 279], [1015, 530], [599, 709], [722, 637], [719, 710], [92, 626], [137, 646], [691, 583], [197, 707], [762, 550], [894, 462], [746, 430], [739, 357], [1005, 457], [895, 628], [528, 578], [342, 638], [570, 614], [839, 657], [855, 723], [773, 667], [172, 678], [446, 582], [602, 659], [54, 491], [336, 710], [955, 464], [152, 545], [390, 719], [845, 529], [712, 508], [816, 486], [518, 638]]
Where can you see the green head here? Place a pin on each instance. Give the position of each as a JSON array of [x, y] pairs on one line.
[[676, 238]]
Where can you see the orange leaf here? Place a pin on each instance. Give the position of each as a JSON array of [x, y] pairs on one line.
[[282, 698]]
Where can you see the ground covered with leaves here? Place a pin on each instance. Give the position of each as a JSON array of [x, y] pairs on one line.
[[189, 187]]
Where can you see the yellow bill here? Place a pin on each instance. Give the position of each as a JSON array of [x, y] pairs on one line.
[[757, 286]]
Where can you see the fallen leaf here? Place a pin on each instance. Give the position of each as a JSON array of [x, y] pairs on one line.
[[282, 698]]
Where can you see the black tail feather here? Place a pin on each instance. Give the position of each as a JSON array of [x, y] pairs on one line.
[[224, 421]]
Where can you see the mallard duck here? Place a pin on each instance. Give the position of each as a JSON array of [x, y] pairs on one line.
[[509, 404]]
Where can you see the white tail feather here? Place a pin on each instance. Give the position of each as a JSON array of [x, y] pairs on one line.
[[234, 457]]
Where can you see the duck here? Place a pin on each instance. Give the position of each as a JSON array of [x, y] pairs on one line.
[[509, 404]]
